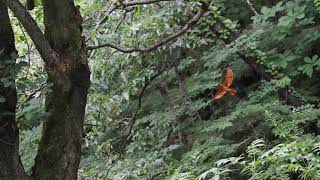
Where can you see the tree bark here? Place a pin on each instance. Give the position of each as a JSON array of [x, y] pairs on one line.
[[10, 164], [30, 4], [64, 53], [60, 146]]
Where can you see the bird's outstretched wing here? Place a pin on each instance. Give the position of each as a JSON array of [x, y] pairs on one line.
[[228, 78], [232, 92], [219, 95]]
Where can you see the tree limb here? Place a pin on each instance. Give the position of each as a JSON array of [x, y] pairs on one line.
[[159, 43], [48, 55], [252, 8]]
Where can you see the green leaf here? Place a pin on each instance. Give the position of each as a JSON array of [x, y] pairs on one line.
[[315, 58], [307, 69], [308, 60]]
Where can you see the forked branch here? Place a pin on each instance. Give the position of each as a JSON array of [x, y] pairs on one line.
[[47, 53]]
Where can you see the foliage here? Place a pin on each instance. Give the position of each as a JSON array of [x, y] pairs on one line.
[[253, 135]]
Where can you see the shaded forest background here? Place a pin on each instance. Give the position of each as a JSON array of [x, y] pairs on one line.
[[150, 113]]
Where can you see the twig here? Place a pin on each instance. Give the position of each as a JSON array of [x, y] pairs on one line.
[[124, 17], [7, 143], [30, 96], [252, 7], [124, 5], [4, 125]]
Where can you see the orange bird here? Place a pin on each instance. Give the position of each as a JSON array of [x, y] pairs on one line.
[[224, 88]]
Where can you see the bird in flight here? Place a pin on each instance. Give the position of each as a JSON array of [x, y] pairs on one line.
[[224, 87]]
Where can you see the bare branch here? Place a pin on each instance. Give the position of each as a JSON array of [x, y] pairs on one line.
[[124, 17], [47, 53], [124, 5], [160, 43], [32, 94], [252, 7]]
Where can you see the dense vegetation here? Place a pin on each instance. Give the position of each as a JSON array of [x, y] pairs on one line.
[[149, 111]]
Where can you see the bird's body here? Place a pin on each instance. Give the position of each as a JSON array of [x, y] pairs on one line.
[[224, 87]]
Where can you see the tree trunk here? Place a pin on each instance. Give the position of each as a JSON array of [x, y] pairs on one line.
[[30, 4], [60, 146], [10, 164]]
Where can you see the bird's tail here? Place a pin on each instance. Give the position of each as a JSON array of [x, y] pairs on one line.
[[232, 92]]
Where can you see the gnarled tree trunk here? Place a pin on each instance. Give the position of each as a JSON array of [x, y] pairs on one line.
[[10, 164], [60, 146], [64, 53]]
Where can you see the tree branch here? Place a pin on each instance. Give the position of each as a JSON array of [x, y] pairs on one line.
[[30, 4], [252, 8], [160, 43], [48, 55]]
